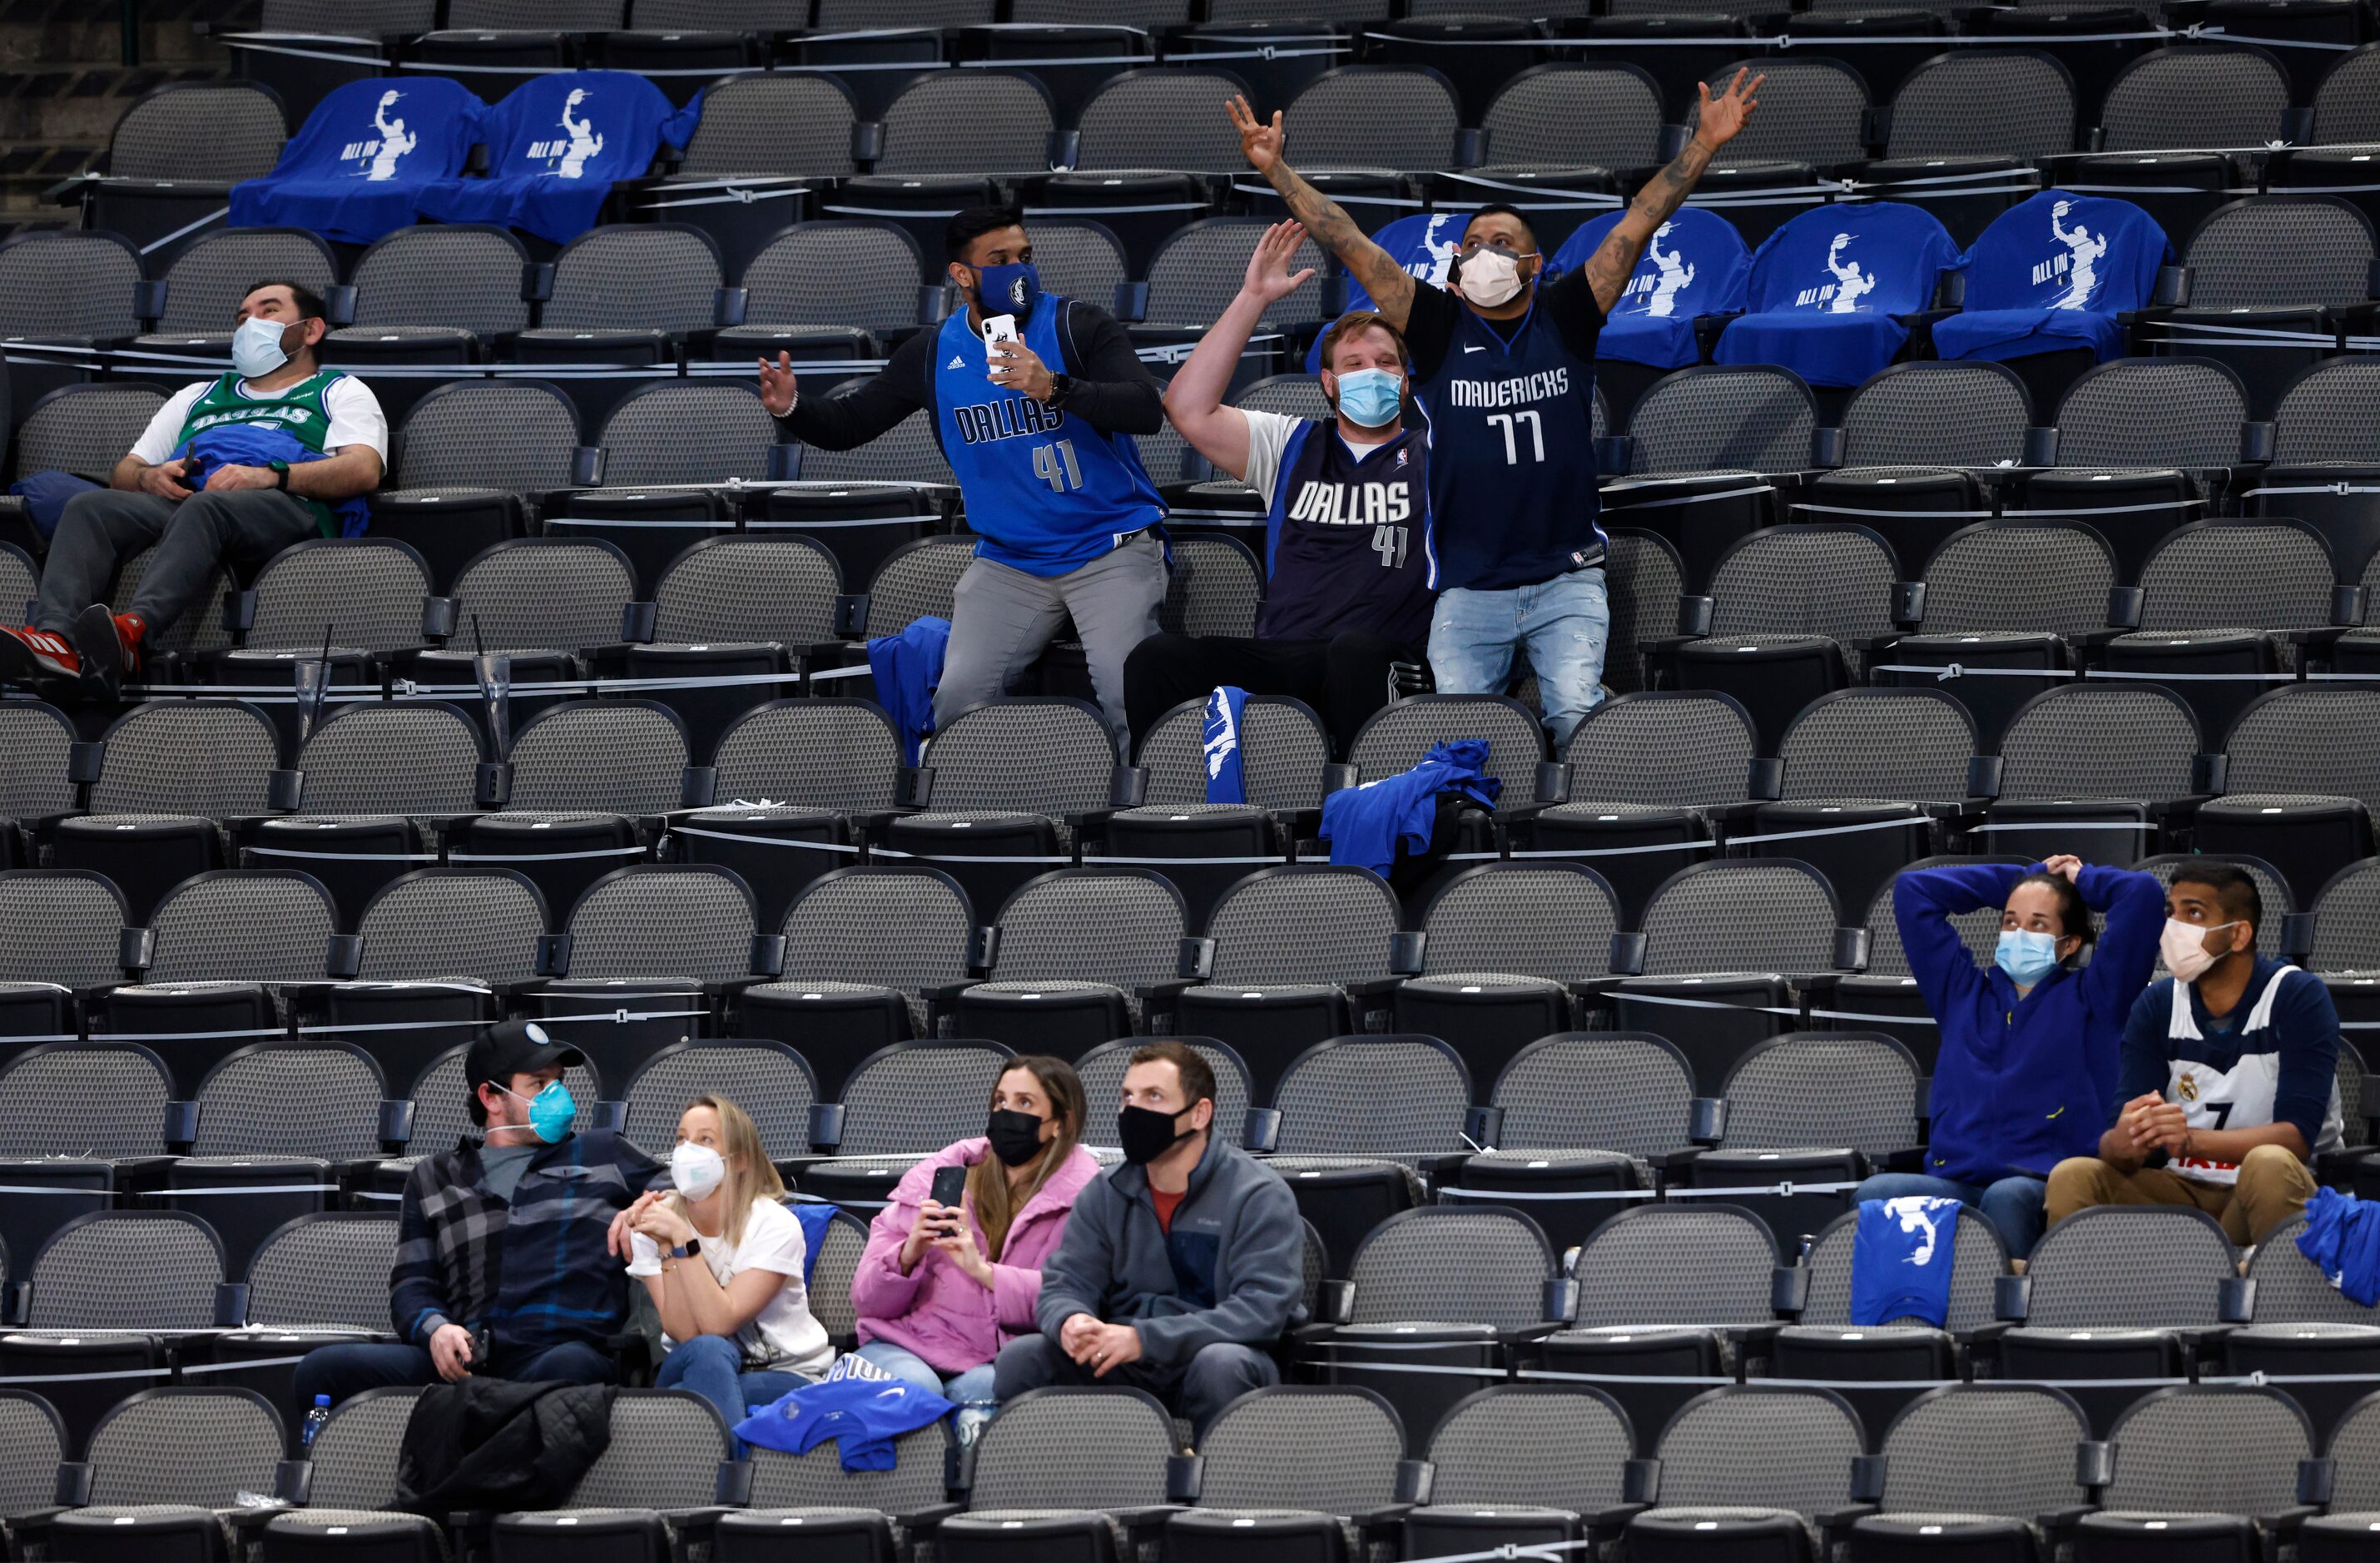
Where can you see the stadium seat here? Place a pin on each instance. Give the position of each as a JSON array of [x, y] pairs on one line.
[[1964, 128], [1506, 942], [863, 948], [2323, 461], [1192, 279], [2274, 280], [1826, 1343], [538, 604], [1290, 1471], [624, 294], [1070, 1473], [807, 773], [2090, 769], [1076, 948], [173, 159], [827, 291], [2200, 1470], [2143, 412], [1206, 847], [871, 1514], [583, 775], [35, 1442], [647, 956], [114, 1293], [1644, 770], [2298, 789], [748, 170], [2306, 1329], [2345, 946], [35, 779], [2339, 1535], [72, 290], [908, 454], [319, 1280], [158, 1467], [2200, 94], [350, 1478], [1000, 791], [1414, 1303], [914, 1097], [667, 1452], [768, 1080], [1713, 1502], [1522, 1465], [357, 165], [1973, 1470], [1705, 419], [2007, 594], [1827, 290], [1808, 1115], [1936, 415], [1102, 1069], [1788, 612], [121, 1088], [168, 771], [736, 607], [468, 466], [1294, 946], [2111, 1292], [434, 294]]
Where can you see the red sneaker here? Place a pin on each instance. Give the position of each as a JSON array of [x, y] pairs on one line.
[[102, 650], [29, 656]]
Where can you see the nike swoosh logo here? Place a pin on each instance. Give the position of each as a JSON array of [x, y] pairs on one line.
[[2061, 1108]]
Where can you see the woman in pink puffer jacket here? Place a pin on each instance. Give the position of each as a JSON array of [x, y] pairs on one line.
[[941, 1290]]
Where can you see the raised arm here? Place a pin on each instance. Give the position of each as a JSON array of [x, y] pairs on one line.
[[1721, 117], [1390, 285], [1195, 399]]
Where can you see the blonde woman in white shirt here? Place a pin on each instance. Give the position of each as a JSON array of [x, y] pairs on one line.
[[722, 1260]]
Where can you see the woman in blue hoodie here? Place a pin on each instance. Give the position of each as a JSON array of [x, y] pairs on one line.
[[2027, 1069]]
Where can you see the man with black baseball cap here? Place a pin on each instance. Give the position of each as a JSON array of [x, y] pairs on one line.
[[500, 1264]]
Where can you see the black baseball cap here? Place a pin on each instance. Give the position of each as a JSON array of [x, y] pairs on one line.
[[513, 1047]]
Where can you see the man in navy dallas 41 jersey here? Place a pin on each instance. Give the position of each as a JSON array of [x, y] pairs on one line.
[[1038, 434], [1347, 550], [1504, 371]]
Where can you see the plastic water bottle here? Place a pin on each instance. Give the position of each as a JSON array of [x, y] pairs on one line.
[[314, 1420]]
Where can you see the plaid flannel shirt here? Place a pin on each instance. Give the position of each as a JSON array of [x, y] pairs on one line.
[[535, 1271]]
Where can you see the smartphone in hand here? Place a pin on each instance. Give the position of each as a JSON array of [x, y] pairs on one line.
[[949, 1186]]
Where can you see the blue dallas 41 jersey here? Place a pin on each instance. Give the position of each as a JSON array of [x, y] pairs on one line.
[[1047, 493]]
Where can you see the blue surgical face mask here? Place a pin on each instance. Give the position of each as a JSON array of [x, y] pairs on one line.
[[1371, 397], [1008, 290], [2027, 957], [550, 1112], [256, 347]]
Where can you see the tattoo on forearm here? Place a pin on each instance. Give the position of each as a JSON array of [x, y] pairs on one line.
[[1335, 230], [1608, 271]]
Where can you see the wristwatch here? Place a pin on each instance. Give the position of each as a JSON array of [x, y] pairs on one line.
[[688, 1250], [280, 475], [1060, 387]]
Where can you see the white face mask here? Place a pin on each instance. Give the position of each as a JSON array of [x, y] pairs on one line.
[[2183, 945], [1489, 277], [256, 347], [696, 1170]]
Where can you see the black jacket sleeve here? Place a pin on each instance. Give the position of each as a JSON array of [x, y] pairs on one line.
[[1112, 389], [874, 407]]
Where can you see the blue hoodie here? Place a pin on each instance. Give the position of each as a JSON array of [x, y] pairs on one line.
[[2022, 1084]]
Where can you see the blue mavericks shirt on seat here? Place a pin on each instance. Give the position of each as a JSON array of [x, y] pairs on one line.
[[1512, 491], [1366, 824], [357, 169], [555, 144], [1694, 264], [1826, 287], [1423, 244], [1226, 716], [906, 669], [1048, 492], [2052, 274], [1901, 1255]]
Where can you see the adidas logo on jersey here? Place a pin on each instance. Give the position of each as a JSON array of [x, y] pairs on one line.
[[958, 360]]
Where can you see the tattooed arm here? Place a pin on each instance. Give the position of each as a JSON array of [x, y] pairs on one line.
[[1390, 285], [1721, 117]]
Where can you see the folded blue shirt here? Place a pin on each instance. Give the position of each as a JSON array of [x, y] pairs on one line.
[[864, 1415], [1365, 825]]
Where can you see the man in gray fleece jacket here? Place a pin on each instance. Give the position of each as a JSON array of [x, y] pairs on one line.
[[1177, 1268]]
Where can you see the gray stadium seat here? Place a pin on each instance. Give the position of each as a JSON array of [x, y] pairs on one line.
[[919, 1097], [1052, 1469], [1505, 943], [161, 1463], [1938, 414], [2214, 1462], [2096, 756], [1289, 1465], [1707, 418], [1077, 946], [1751, 1467], [768, 1080], [2300, 788], [1973, 1464]]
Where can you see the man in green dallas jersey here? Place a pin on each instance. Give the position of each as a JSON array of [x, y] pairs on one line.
[[231, 470]]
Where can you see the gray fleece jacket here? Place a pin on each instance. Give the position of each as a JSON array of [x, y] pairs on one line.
[[1233, 1268]]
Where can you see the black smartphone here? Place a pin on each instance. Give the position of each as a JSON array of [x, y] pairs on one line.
[[949, 1186]]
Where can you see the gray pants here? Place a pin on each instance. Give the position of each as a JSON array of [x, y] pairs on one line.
[[1197, 1391], [195, 538], [1002, 618]]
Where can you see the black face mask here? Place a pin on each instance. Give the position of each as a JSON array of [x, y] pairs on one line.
[[1146, 1134], [1015, 1137]]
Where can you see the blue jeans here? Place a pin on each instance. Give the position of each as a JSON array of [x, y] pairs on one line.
[[342, 1371], [1565, 623], [972, 1387], [712, 1368], [2015, 1205]]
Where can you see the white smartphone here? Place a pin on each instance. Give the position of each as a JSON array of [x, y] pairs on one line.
[[1000, 328]]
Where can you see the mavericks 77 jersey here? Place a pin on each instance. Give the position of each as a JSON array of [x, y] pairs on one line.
[[1047, 493]]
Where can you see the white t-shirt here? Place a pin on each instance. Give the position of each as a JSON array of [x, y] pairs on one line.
[[784, 1329], [355, 418], [1269, 435]]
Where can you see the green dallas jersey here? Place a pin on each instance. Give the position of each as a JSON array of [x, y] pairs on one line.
[[225, 427]]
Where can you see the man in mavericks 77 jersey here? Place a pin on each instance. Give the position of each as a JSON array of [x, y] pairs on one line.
[[1347, 546], [2229, 1078], [1504, 371], [1040, 436]]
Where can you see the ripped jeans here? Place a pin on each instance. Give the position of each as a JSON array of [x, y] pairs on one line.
[[1565, 623]]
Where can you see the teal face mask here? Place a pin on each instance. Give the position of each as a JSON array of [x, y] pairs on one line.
[[2026, 957], [550, 1112], [1371, 397]]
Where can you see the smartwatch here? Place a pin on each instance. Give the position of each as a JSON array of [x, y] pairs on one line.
[[280, 475], [688, 1250], [1060, 387]]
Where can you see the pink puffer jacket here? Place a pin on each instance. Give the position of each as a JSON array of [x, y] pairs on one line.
[[937, 1309]]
